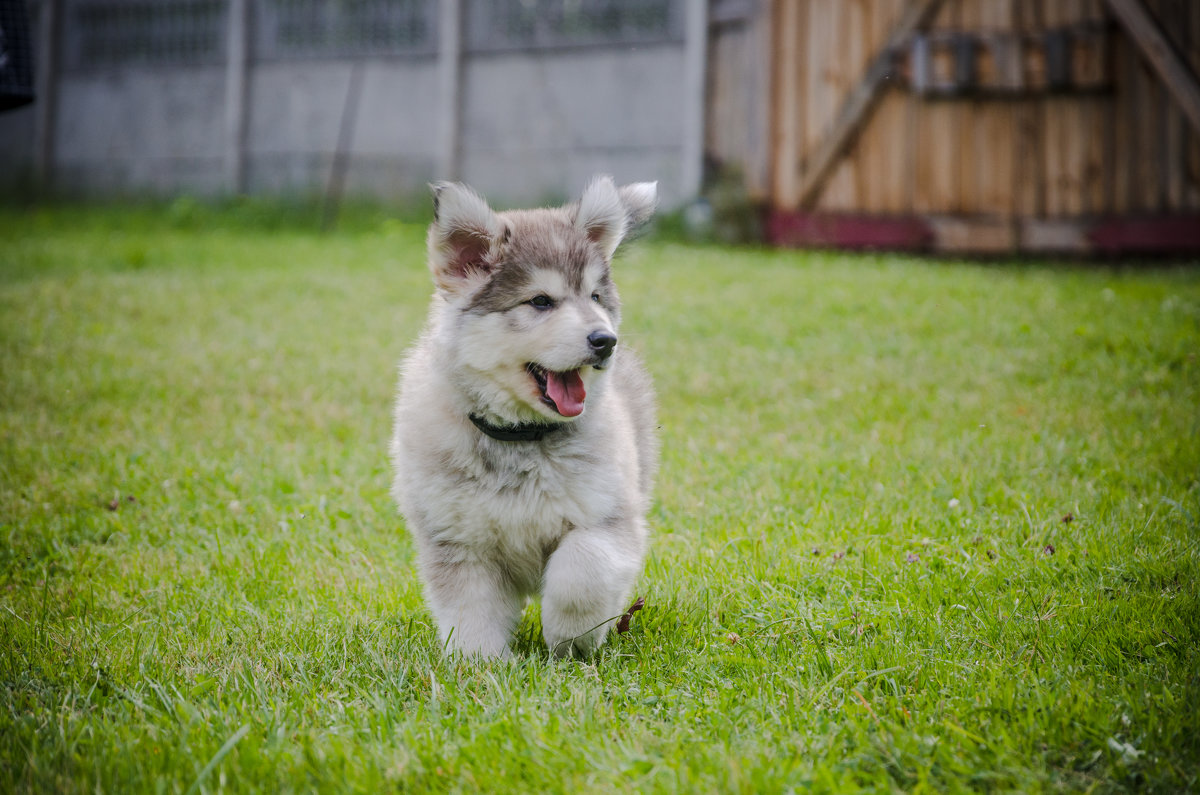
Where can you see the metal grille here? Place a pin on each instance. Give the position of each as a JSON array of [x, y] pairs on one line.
[[545, 24], [101, 33], [346, 28], [161, 32]]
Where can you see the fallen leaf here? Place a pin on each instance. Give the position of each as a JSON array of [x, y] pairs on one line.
[[623, 621], [1068, 519], [115, 502]]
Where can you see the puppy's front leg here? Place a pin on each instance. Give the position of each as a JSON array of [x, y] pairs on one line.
[[475, 607], [588, 579]]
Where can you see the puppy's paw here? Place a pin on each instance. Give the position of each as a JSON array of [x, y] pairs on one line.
[[572, 633]]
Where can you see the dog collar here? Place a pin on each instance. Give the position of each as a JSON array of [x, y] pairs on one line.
[[524, 432]]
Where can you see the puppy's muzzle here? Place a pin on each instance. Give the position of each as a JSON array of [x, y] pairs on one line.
[[602, 344]]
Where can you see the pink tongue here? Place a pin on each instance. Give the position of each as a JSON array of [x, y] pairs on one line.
[[566, 390]]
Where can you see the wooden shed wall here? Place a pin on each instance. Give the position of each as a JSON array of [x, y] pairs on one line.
[[1038, 156]]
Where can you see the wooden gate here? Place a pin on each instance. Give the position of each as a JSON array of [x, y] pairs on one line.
[[965, 125]]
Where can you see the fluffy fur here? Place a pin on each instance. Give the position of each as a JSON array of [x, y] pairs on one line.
[[522, 333]]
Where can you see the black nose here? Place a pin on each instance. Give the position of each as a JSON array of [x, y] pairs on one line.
[[602, 343]]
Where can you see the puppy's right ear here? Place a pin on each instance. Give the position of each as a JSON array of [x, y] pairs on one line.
[[464, 238]]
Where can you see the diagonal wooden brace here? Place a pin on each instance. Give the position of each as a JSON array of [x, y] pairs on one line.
[[862, 100], [1154, 45]]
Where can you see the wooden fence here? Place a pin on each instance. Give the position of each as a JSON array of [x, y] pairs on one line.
[[980, 125]]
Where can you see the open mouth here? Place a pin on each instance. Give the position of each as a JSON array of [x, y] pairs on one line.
[[562, 392]]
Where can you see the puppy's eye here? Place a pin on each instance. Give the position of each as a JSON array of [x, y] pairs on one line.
[[596, 297], [541, 302]]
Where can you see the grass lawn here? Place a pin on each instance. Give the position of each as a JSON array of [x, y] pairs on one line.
[[920, 525]]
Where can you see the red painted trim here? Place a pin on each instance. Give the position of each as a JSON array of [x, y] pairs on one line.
[[1155, 235], [848, 231], [1111, 236]]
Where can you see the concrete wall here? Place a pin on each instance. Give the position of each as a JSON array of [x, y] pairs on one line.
[[141, 131], [528, 125], [295, 112], [538, 127]]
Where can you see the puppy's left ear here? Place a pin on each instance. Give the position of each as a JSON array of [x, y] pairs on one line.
[[464, 238], [607, 213]]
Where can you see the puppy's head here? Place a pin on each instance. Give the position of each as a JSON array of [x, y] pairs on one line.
[[536, 308]]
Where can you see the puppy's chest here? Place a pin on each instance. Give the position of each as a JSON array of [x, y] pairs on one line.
[[516, 498]]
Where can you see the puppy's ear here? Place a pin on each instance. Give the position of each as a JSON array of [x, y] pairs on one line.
[[607, 213], [640, 200], [464, 238]]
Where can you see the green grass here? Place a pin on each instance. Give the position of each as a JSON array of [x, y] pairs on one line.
[[920, 525]]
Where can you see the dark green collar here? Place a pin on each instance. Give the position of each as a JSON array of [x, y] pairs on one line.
[[524, 432]]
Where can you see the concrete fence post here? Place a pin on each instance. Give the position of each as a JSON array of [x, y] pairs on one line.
[[237, 63], [449, 65], [695, 59]]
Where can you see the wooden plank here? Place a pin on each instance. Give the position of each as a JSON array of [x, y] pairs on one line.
[[970, 119], [914, 146], [1174, 155], [861, 44], [1147, 152], [814, 75], [997, 122], [869, 168], [841, 52], [945, 138], [894, 190], [1193, 158], [880, 149], [860, 102], [1178, 78], [757, 164], [1054, 122], [1174, 125], [1192, 166], [823, 45], [1098, 72], [896, 131], [1123, 118], [1029, 178], [1077, 132], [1052, 163], [1094, 165], [786, 122]]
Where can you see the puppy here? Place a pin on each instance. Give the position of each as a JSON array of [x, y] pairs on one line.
[[524, 447]]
